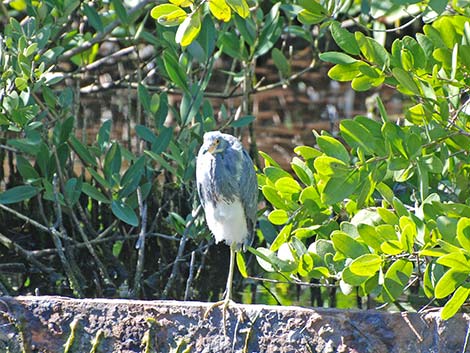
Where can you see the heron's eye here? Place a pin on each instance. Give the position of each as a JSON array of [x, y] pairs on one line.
[[216, 142]]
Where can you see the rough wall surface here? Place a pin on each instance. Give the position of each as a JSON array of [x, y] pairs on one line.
[[57, 324]]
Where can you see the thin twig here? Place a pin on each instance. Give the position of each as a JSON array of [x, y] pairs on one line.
[[102, 35], [187, 292], [27, 254], [140, 244], [296, 282], [96, 64], [179, 255], [71, 276], [48, 252], [467, 334]]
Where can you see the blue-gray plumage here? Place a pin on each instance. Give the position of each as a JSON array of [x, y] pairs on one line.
[[228, 190]]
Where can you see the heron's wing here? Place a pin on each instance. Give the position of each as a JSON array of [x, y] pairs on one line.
[[248, 186]]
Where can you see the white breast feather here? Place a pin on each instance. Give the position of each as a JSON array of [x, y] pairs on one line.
[[227, 221]]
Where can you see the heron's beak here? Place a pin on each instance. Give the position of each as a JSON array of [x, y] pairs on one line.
[[211, 149]]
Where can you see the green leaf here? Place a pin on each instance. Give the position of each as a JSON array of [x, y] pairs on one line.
[[280, 61], [345, 39], [103, 135], [82, 152], [134, 172], [18, 194], [449, 282], [406, 83], [333, 148], [347, 245], [99, 178], [112, 161], [144, 96], [275, 173], [366, 265], [120, 11], [356, 135], [308, 18], [241, 265], [94, 193], [463, 232], [124, 213], [175, 72], [26, 169], [455, 303], [337, 58], [338, 189], [243, 121], [278, 217], [373, 51], [66, 129], [73, 190], [163, 140], [247, 29], [145, 133], [231, 45], [396, 278], [93, 17]]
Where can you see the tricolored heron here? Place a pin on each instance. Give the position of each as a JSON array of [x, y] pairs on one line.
[[228, 190]]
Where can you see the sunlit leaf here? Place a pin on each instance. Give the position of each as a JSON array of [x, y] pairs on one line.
[[182, 3], [344, 39], [366, 265], [241, 265], [240, 7], [188, 30], [455, 302], [396, 278], [220, 10], [449, 282], [168, 14], [347, 245]]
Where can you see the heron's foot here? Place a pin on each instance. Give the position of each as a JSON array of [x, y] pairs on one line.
[[223, 303]]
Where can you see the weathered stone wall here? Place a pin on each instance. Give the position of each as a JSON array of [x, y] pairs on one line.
[[56, 324]]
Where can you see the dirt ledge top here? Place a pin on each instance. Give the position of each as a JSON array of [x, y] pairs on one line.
[[57, 324]]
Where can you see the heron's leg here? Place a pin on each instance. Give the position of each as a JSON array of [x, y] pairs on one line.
[[228, 290]]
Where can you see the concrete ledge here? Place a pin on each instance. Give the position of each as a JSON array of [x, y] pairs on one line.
[[57, 324]]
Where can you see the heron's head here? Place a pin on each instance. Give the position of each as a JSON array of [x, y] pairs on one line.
[[214, 142]]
